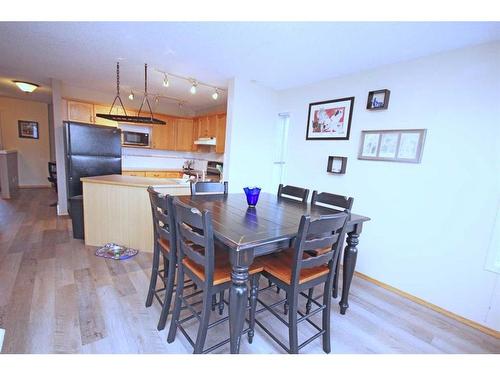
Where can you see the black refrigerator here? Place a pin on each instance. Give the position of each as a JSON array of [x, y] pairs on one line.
[[91, 150]]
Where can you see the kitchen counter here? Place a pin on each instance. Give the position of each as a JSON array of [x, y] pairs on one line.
[[117, 208], [117, 179], [152, 169]]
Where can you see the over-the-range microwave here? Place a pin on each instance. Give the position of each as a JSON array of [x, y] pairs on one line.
[[135, 138]]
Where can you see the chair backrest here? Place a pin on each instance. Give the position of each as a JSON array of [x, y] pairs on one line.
[[52, 170], [195, 237], [326, 231], [163, 219], [293, 192], [330, 199], [201, 188]]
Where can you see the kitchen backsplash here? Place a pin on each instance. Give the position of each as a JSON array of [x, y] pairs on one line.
[[148, 158]]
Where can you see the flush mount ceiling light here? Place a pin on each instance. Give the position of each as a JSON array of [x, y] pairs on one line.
[[215, 95], [192, 90], [26, 86]]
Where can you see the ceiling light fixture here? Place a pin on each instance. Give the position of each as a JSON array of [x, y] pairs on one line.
[[166, 82], [192, 90], [26, 86], [131, 96], [215, 95]]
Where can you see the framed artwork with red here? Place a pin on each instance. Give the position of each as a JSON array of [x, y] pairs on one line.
[[330, 120]]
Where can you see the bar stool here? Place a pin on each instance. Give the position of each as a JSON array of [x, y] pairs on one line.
[[295, 271], [334, 201], [164, 245], [207, 264]]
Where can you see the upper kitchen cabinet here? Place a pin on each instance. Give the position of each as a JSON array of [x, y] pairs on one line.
[[220, 133], [80, 112], [163, 136], [184, 136]]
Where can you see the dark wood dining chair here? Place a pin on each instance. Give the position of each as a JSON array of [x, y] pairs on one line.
[[199, 188], [207, 264], [295, 271], [165, 246], [293, 192], [334, 201]]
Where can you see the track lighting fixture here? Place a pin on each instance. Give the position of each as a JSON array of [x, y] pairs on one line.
[[166, 82], [131, 96], [215, 95], [192, 90]]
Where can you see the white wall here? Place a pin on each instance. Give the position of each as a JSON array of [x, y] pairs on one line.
[[33, 154], [431, 222], [251, 118]]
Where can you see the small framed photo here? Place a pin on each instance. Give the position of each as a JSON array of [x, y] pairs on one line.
[[330, 120], [28, 129], [404, 145], [378, 99]]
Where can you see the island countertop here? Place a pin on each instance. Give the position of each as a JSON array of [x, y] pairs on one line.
[[136, 181]]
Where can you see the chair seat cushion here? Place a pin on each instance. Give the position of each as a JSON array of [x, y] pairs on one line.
[[165, 244], [280, 265], [222, 266]]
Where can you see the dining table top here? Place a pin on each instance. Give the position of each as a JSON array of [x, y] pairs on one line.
[[273, 219]]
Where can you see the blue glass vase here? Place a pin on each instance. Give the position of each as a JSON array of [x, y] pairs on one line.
[[252, 195]]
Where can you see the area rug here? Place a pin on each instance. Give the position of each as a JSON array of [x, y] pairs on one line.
[[114, 251]]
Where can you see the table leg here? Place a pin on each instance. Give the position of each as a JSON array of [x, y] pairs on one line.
[[238, 297], [350, 255]]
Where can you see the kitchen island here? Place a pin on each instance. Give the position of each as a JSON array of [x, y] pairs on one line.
[[117, 208]]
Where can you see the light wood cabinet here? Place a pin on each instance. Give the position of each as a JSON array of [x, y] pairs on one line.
[[80, 112], [134, 173], [220, 134], [104, 109], [184, 135], [155, 174], [163, 136]]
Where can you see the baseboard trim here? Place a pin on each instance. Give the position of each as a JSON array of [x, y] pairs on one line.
[[34, 187], [420, 301]]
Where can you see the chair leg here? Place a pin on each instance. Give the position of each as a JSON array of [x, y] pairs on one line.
[[177, 306], [278, 289], [154, 276], [214, 302], [309, 299], [335, 292], [292, 328], [169, 290], [221, 302], [254, 290], [269, 283], [285, 306], [165, 270], [326, 317], [203, 328]]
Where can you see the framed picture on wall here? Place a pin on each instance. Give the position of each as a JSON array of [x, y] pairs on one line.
[[404, 145], [28, 129], [378, 99], [330, 120]]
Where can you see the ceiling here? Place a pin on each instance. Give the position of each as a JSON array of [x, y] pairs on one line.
[[275, 54]]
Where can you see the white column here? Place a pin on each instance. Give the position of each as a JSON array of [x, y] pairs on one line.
[[62, 196]]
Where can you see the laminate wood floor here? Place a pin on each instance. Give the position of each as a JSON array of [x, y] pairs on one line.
[[57, 297]]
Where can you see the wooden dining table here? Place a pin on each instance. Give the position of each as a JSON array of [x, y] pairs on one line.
[[250, 232]]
